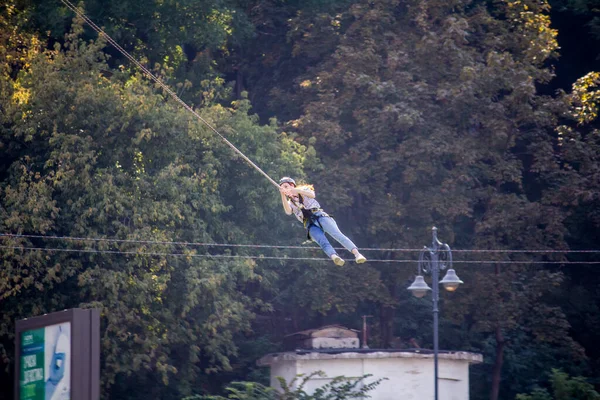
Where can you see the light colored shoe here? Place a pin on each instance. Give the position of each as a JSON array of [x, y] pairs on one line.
[[337, 260], [359, 258]]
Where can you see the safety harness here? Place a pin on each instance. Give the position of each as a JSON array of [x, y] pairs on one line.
[[308, 214]]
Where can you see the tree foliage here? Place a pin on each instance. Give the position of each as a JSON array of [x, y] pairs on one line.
[[404, 114], [564, 387], [88, 155], [339, 388], [428, 113]]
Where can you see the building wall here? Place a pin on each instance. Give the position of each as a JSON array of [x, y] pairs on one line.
[[288, 370], [331, 343], [408, 378]]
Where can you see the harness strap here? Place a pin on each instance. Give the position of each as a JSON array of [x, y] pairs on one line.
[[308, 214], [310, 221]]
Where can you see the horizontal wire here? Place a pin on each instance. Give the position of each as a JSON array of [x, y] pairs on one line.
[[261, 257], [158, 242], [144, 253]]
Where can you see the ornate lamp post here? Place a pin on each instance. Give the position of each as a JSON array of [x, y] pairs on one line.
[[432, 260]]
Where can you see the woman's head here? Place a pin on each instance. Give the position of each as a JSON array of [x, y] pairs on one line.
[[287, 182]]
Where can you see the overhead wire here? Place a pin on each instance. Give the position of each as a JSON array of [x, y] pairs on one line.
[[154, 242], [263, 257], [163, 254], [266, 246], [281, 258], [164, 87]]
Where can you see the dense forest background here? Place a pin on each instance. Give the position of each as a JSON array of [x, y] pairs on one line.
[[477, 116]]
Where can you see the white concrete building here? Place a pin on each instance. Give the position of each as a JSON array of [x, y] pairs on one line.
[[409, 372]]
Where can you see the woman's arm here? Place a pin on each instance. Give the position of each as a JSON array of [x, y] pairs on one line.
[[286, 204], [304, 192]]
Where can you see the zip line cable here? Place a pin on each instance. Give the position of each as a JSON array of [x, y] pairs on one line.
[[263, 246], [261, 257], [164, 86]]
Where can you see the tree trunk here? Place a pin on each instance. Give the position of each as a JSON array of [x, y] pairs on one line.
[[239, 83], [385, 325], [386, 321], [500, 343], [497, 371]]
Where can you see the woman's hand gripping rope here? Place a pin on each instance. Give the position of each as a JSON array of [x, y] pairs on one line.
[[289, 192]]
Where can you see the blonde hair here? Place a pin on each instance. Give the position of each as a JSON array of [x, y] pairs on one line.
[[306, 186]]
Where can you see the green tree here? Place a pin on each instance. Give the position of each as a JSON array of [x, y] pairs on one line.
[[97, 155], [576, 190], [427, 113], [407, 114], [564, 387], [339, 388]]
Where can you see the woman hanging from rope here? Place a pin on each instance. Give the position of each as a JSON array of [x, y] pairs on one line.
[[301, 202]]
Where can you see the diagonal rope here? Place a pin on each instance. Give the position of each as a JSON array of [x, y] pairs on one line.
[[164, 86]]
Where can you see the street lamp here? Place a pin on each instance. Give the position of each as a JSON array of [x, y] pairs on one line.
[[432, 260]]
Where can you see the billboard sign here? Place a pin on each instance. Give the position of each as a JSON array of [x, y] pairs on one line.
[[46, 363], [58, 356]]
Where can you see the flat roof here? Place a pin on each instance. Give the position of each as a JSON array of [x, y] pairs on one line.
[[345, 354]]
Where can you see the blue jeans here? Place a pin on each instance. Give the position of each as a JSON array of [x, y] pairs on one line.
[[326, 224]]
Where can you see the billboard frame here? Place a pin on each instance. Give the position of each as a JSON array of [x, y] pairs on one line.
[[85, 349]]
